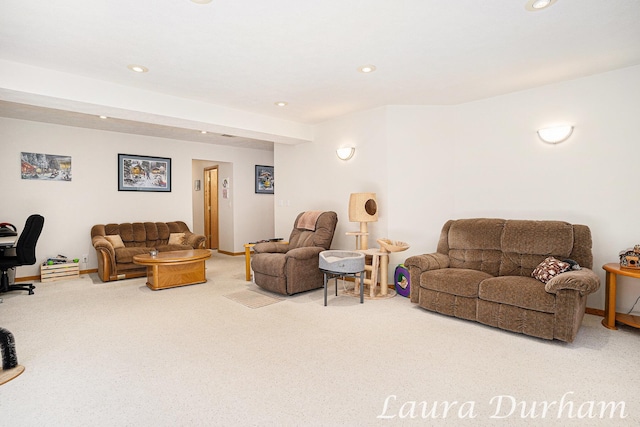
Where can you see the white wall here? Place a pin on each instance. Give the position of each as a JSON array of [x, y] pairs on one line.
[[311, 177], [92, 197], [253, 213], [429, 164]]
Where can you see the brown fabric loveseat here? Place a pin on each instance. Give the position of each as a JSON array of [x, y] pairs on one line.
[[482, 269], [116, 244]]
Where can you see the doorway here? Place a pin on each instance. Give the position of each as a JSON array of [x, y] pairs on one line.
[[211, 207]]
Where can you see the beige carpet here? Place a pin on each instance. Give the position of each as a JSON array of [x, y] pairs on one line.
[[252, 299], [119, 354]]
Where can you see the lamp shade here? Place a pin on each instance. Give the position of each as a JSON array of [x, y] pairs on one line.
[[554, 135], [363, 207], [345, 153]]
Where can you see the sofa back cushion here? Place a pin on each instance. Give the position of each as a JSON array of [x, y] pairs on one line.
[[476, 244], [145, 234], [512, 247], [321, 237], [525, 244]]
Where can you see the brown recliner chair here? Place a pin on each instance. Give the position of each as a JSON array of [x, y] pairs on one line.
[[289, 268]]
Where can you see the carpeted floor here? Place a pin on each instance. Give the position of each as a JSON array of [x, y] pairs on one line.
[[119, 354], [253, 299]]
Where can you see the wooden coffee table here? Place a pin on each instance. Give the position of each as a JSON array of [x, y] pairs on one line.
[[174, 268]]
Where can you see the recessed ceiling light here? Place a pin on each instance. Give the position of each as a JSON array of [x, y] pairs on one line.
[[103, 117], [367, 69], [281, 103], [137, 68], [203, 132], [536, 5]]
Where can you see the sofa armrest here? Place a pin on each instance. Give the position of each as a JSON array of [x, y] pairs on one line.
[[584, 281], [418, 264], [271, 247], [102, 244], [305, 253], [196, 241], [106, 257], [427, 262]]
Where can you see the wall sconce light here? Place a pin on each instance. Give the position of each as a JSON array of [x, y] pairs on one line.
[[555, 135], [536, 5], [345, 153]]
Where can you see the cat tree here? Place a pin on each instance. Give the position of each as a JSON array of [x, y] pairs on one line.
[[363, 208]]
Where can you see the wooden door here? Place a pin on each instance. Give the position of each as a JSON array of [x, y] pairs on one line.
[[211, 207]]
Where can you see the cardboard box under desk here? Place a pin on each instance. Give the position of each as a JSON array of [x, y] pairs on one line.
[[51, 273]]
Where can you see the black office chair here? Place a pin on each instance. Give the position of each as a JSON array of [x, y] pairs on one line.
[[25, 254]]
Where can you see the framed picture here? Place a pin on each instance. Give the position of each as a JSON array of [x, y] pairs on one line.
[[264, 179], [143, 173], [45, 167]]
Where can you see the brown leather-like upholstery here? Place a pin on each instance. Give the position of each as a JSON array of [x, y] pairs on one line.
[[482, 269], [138, 238], [289, 268]]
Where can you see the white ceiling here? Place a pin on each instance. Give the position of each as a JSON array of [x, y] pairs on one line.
[[248, 54]]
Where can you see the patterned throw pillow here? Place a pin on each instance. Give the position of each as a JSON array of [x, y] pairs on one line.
[[549, 268], [115, 240], [176, 239]]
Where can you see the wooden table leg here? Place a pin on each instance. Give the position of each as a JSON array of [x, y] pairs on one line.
[[247, 261], [609, 320]]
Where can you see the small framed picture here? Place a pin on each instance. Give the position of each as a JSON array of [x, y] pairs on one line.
[[143, 173], [264, 179]]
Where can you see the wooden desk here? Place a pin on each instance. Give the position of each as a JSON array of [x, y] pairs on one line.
[[610, 316], [174, 268]]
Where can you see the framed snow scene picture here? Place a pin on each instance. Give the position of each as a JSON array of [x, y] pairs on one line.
[[45, 167], [143, 173]]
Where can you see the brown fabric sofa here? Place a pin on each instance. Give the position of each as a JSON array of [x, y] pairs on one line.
[[482, 269], [289, 268], [115, 261]]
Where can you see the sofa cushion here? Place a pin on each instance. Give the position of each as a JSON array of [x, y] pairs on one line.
[[456, 281], [125, 255], [176, 238], [115, 240], [485, 260], [475, 244], [518, 291], [537, 237], [549, 268], [476, 233], [526, 243], [270, 264], [166, 248]]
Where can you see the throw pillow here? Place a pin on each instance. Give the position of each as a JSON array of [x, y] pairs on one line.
[[115, 240], [176, 239], [549, 268]]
